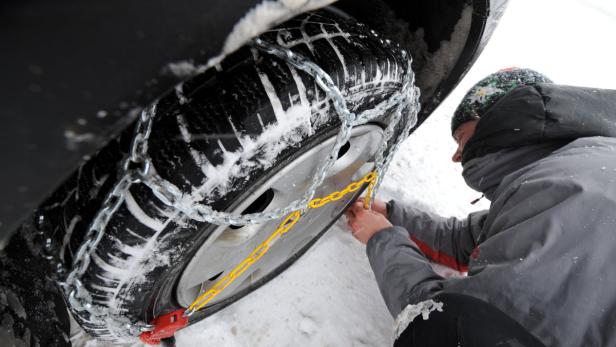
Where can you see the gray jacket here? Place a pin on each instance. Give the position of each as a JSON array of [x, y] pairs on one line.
[[544, 251]]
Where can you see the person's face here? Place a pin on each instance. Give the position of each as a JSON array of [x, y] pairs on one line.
[[461, 136]]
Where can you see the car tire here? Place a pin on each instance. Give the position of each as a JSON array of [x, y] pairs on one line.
[[205, 126]]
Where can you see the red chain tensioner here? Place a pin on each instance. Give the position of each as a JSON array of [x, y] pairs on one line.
[[165, 326]]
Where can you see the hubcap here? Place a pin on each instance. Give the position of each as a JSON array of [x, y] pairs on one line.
[[229, 245]]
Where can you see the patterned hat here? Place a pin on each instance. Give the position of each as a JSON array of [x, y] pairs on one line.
[[490, 89]]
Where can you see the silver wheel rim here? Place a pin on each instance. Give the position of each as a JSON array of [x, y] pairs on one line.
[[228, 246]]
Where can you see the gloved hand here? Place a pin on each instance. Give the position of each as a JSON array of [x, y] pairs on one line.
[[365, 223]]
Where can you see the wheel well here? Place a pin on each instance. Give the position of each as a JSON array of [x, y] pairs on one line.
[[434, 32], [437, 17]]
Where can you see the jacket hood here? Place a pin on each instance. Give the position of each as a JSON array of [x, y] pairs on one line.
[[528, 124], [484, 174]]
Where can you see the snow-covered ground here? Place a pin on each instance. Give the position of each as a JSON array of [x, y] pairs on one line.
[[329, 297]]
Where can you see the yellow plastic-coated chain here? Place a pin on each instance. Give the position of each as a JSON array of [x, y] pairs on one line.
[[371, 180], [315, 203], [283, 228]]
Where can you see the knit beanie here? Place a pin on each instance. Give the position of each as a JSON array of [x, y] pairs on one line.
[[489, 90]]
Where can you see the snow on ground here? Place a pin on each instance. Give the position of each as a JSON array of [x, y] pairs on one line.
[[323, 300], [329, 297]]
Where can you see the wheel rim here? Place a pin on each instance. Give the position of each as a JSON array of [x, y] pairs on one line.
[[228, 246]]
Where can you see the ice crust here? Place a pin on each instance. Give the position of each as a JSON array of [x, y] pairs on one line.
[[410, 312], [265, 16]]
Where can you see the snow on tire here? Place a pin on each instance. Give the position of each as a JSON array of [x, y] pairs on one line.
[[246, 136]]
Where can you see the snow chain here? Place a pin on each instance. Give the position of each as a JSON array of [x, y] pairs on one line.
[[138, 168], [283, 228]]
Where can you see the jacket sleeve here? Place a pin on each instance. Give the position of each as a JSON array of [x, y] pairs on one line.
[[402, 272], [447, 241]]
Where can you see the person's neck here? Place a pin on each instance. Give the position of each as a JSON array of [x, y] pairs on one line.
[[484, 174]]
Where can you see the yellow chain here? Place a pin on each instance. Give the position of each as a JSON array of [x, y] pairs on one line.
[[283, 228]]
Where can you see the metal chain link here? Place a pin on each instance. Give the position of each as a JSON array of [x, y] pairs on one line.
[[138, 168], [284, 227], [186, 203]]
